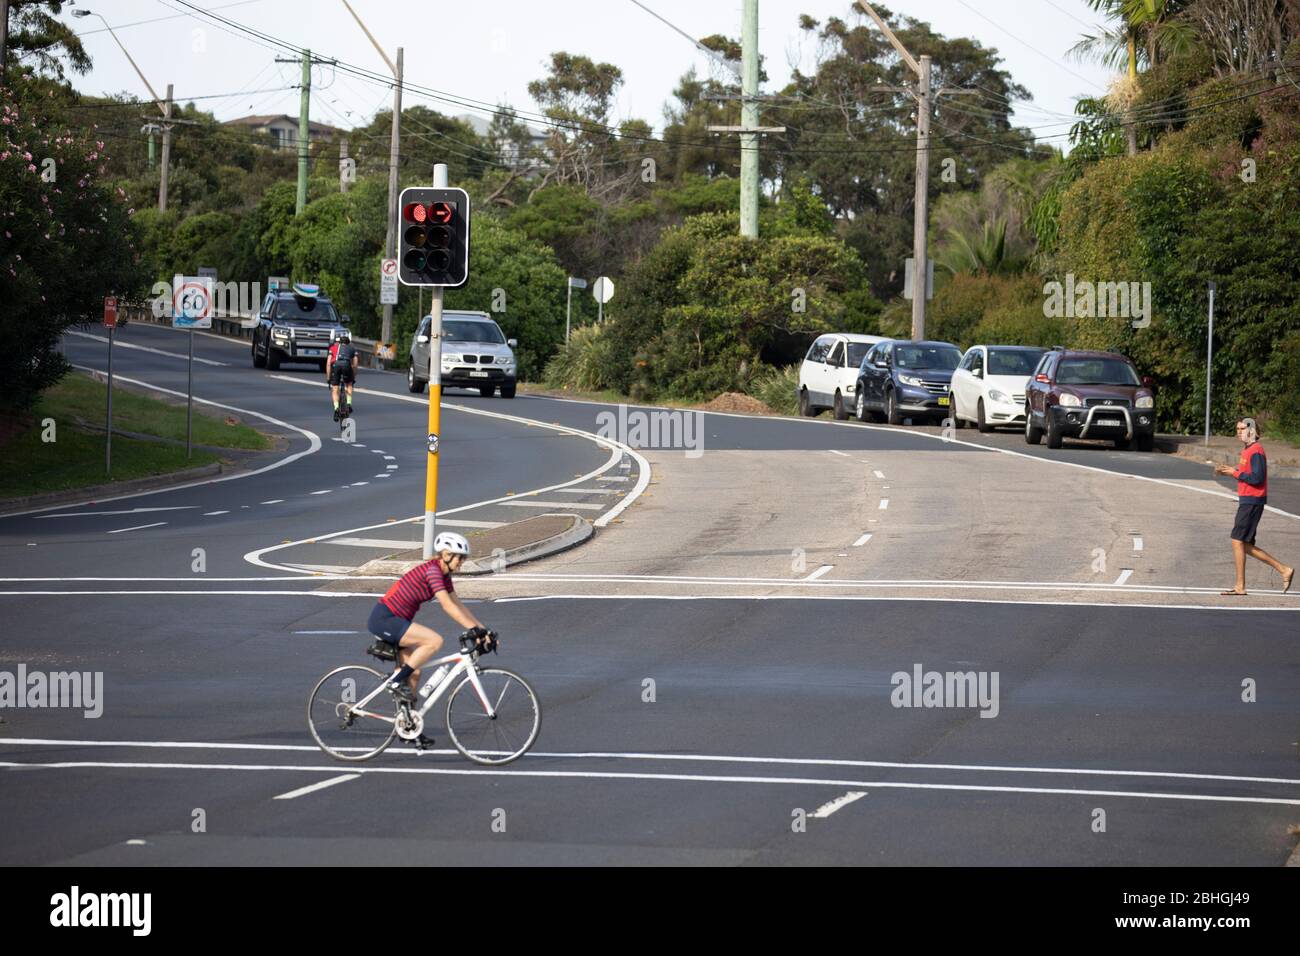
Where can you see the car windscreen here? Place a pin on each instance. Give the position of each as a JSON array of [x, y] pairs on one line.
[[296, 309], [857, 352], [943, 358], [462, 331], [1096, 371], [1013, 361]]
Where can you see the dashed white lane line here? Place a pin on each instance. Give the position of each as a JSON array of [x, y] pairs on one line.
[[840, 453], [819, 572], [274, 501], [391, 467], [385, 474], [879, 474], [884, 503], [139, 527], [213, 514], [390, 458], [1137, 543], [301, 791], [358, 484], [862, 540], [1124, 575], [324, 491], [839, 803]]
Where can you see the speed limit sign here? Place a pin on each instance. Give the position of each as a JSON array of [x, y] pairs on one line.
[[192, 302]]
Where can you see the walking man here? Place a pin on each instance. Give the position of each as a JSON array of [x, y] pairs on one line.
[[1252, 494]]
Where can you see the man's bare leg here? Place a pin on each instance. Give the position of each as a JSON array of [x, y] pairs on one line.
[[1239, 558], [1262, 555]]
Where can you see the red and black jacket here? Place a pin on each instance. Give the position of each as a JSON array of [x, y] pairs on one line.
[[1252, 474]]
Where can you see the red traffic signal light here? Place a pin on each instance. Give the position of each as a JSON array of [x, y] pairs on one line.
[[434, 236]]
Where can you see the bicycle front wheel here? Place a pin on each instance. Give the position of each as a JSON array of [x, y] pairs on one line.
[[343, 730], [504, 737]]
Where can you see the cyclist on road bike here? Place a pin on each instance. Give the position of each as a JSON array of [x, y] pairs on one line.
[[341, 367], [393, 617]]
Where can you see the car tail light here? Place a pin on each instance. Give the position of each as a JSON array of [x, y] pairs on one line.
[[1040, 377]]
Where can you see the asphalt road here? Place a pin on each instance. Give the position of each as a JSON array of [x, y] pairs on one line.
[[699, 730]]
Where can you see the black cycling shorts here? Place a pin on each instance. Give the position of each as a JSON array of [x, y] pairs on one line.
[[342, 373], [386, 625], [1247, 523]]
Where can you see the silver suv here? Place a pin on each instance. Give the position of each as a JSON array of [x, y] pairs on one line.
[[475, 354]]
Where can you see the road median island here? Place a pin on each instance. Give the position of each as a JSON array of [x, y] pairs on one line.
[[495, 549], [1283, 459]]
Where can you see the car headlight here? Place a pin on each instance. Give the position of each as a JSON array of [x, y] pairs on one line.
[[1146, 401], [448, 358], [280, 335], [997, 396], [1070, 401], [911, 380], [505, 360]]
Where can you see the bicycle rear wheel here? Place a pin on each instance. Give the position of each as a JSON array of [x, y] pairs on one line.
[[500, 739], [341, 730]]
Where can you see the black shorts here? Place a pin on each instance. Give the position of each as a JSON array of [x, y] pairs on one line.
[[386, 625], [342, 373], [1248, 515]]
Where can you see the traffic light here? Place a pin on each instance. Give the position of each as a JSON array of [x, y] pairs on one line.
[[434, 233]]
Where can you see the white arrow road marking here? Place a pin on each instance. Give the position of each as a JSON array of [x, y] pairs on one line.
[[318, 786], [826, 809], [128, 511], [139, 527]]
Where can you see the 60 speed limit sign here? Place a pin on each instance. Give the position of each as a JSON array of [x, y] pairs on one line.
[[192, 302]]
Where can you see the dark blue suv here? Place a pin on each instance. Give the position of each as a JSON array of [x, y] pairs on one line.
[[900, 379]]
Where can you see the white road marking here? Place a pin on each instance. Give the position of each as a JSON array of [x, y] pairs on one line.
[[391, 544], [139, 527], [117, 343], [619, 478], [862, 540], [382, 474], [1137, 543], [390, 458], [339, 569], [583, 491], [826, 809], [326, 491], [358, 484], [128, 511], [879, 474], [688, 758], [840, 453], [550, 504], [884, 503], [668, 777], [312, 788], [819, 572], [1124, 575], [391, 467], [213, 514], [466, 523], [274, 501]]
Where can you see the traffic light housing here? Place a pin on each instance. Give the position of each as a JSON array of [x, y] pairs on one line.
[[433, 234]]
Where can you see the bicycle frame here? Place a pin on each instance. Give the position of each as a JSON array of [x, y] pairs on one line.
[[461, 664]]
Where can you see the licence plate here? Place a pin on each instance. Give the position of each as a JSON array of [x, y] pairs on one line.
[[943, 402], [478, 374], [1108, 422], [311, 351]]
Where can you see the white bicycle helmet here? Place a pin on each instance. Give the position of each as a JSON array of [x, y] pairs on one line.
[[450, 541]]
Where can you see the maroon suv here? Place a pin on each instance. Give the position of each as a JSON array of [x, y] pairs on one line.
[[1089, 395]]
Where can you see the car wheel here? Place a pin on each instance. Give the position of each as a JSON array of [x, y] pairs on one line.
[[1146, 442], [1123, 444], [1033, 434], [957, 420], [1054, 435], [892, 414], [508, 389], [839, 411], [860, 407], [414, 384], [259, 361], [980, 421], [272, 359], [805, 405], [486, 390]]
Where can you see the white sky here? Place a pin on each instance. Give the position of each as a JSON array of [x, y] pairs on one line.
[[489, 51]]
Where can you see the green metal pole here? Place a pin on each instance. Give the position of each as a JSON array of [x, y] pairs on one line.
[[304, 131]]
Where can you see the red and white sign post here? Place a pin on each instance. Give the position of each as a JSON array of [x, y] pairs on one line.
[[110, 323]]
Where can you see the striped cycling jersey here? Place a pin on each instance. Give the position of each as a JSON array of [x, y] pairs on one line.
[[415, 587]]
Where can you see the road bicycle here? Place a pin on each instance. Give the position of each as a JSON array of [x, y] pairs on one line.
[[492, 714]]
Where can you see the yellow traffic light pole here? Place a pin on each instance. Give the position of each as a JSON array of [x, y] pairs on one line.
[[435, 400]]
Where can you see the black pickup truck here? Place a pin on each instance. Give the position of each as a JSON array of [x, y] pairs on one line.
[[295, 328]]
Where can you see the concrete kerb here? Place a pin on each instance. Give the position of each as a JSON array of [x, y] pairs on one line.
[[576, 532], [1194, 449], [89, 494]]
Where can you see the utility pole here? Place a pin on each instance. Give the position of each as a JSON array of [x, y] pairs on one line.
[[390, 244], [4, 40], [166, 151], [749, 130], [343, 164], [304, 132]]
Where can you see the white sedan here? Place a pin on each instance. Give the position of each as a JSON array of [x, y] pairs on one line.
[[988, 388]]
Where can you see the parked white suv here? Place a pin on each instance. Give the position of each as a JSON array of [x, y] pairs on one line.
[[988, 388], [828, 377]]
